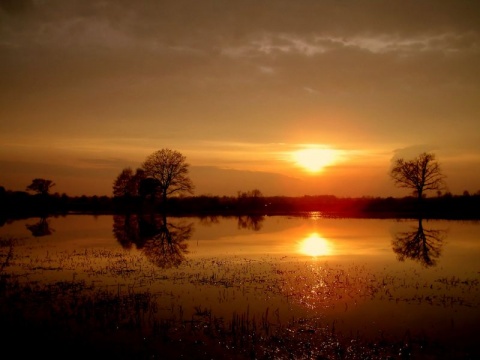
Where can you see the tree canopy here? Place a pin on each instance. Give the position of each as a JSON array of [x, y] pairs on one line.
[[419, 174], [170, 169], [127, 183], [41, 186]]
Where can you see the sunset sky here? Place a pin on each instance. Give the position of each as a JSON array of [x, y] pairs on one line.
[[88, 88]]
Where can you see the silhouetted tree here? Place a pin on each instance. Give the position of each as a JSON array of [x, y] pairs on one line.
[[123, 186], [255, 193], [420, 174], [170, 169], [252, 200], [420, 245], [148, 188], [41, 186], [127, 182]]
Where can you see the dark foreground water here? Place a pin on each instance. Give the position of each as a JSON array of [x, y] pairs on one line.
[[264, 287]]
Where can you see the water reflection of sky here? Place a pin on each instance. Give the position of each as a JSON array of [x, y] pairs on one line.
[[333, 239], [315, 245], [297, 237], [354, 277]]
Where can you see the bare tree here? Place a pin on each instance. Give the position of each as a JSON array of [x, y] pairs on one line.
[[41, 186], [170, 169], [420, 174]]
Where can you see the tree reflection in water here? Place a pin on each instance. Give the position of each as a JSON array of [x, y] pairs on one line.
[[126, 230], [250, 222], [41, 228], [209, 220], [421, 245], [162, 242]]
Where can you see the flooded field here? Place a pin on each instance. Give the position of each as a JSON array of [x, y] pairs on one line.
[[278, 287]]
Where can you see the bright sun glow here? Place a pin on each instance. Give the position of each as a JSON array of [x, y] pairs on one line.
[[315, 245], [314, 159]]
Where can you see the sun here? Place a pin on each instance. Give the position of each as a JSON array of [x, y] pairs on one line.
[[314, 245], [314, 159]]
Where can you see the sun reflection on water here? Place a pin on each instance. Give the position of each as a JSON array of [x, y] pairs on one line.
[[315, 245]]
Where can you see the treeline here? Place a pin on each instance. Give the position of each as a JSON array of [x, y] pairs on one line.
[[447, 206], [14, 204], [19, 204]]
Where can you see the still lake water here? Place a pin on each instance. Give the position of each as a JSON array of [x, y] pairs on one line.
[[372, 279]]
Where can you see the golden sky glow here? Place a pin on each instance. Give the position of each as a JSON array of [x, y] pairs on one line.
[[314, 159], [90, 87]]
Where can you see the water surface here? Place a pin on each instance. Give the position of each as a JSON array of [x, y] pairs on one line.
[[375, 280]]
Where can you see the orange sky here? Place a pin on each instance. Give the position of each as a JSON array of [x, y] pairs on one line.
[[90, 87]]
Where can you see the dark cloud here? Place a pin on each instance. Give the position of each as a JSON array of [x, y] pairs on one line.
[[201, 24], [15, 7]]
